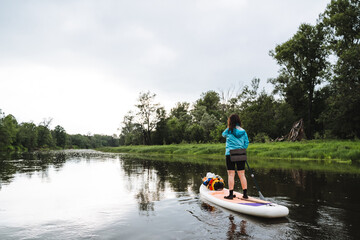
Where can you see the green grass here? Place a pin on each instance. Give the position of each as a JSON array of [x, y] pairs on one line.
[[325, 150], [182, 149]]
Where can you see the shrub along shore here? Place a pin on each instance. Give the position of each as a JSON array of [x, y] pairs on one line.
[[333, 150]]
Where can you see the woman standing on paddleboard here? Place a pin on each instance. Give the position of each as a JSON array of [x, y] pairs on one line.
[[236, 137]]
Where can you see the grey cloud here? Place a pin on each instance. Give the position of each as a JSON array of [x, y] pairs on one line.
[[169, 45]]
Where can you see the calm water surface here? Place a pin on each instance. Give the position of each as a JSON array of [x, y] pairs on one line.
[[92, 195]]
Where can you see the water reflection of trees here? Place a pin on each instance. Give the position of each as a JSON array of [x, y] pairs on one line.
[[150, 179], [153, 177], [233, 233], [30, 163], [299, 177], [325, 202], [147, 195]]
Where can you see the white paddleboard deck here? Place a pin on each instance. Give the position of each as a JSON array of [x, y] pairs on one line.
[[251, 206]]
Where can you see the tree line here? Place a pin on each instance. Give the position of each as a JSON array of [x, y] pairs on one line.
[[318, 81], [205, 120], [28, 136]]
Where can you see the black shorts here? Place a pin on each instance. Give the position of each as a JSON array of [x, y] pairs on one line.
[[231, 165]]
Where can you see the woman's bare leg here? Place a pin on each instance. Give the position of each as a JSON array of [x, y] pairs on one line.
[[231, 179], [243, 180]]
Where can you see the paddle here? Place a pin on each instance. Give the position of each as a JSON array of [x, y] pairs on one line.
[[257, 187]]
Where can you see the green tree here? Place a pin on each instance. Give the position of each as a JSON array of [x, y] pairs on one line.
[[303, 61], [99, 140], [257, 116], [211, 101], [206, 114], [8, 131], [284, 117], [195, 132], [181, 112], [209, 122], [112, 141], [197, 113], [147, 117], [131, 132], [265, 116], [249, 93], [60, 136], [45, 139], [342, 22], [27, 136], [161, 129], [176, 129], [79, 141], [216, 133]]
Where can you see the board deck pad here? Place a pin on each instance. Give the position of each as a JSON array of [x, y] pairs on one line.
[[238, 199]]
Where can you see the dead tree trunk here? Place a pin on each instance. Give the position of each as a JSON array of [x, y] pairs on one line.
[[296, 133]]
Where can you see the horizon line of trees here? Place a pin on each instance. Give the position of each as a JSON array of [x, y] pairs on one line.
[[28, 136], [318, 81], [262, 116]]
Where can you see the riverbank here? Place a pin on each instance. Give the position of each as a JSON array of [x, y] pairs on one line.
[[333, 150]]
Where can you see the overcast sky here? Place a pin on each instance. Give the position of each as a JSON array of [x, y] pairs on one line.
[[84, 63]]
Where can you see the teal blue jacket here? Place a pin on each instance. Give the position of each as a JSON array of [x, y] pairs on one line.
[[238, 138]]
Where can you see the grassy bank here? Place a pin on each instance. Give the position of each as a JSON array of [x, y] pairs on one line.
[[332, 150]]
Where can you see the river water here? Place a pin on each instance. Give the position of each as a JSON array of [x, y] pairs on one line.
[[84, 194]]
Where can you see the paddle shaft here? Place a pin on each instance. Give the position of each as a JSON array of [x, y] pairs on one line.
[[253, 176]]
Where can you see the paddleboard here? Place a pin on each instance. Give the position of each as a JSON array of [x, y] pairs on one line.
[[251, 206]]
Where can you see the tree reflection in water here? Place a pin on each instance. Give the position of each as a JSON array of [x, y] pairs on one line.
[[207, 207], [30, 163], [153, 180], [299, 177], [149, 191], [232, 233]]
